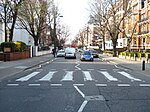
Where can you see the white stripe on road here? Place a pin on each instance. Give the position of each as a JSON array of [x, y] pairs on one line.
[[79, 91], [68, 76], [101, 85], [48, 77], [78, 84], [83, 106], [123, 85], [145, 85], [12, 84], [27, 77], [109, 77], [56, 84], [129, 76], [87, 76], [34, 84], [78, 67]]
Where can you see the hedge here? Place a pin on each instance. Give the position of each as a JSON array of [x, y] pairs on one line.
[[11, 45], [138, 54], [15, 46]]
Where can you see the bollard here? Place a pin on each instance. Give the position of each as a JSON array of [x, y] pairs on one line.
[[143, 65]]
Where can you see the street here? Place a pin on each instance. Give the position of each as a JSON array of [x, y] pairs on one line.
[[69, 85]]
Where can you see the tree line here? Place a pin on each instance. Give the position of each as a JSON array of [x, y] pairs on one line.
[[34, 16]]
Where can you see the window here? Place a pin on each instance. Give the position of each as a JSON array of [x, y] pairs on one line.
[[121, 44], [134, 41], [143, 4]]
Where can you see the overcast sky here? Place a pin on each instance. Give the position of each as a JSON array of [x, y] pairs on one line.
[[75, 14]]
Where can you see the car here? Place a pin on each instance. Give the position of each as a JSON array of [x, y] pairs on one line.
[[60, 53], [70, 53], [94, 53], [86, 56]]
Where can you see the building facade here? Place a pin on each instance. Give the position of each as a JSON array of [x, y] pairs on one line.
[[141, 15]]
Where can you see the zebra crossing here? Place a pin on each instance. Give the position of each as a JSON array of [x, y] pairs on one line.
[[67, 76]]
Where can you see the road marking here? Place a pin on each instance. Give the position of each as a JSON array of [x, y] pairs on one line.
[[56, 84], [145, 85], [79, 91], [123, 85], [129, 76], [28, 77], [109, 77], [34, 84], [87, 76], [103, 69], [48, 77], [102, 85], [90, 69], [78, 67], [83, 106], [12, 84], [21, 67], [78, 84], [68, 76]]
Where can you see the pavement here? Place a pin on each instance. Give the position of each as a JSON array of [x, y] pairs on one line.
[[10, 68], [128, 64]]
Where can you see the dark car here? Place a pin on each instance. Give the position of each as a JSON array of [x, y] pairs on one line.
[[94, 53], [87, 56]]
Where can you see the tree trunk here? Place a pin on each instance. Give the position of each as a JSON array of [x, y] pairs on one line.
[[12, 27], [35, 40], [104, 42], [114, 51]]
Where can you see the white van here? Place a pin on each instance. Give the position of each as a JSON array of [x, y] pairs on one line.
[[70, 53]]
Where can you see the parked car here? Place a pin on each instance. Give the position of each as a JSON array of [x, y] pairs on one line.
[[86, 56], [60, 53], [70, 53], [94, 53]]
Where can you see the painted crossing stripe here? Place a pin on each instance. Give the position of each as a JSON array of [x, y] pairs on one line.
[[26, 78], [68, 76], [87, 76], [129, 76], [109, 77], [48, 77]]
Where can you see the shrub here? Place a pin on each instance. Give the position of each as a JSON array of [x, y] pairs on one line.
[[20, 46], [11, 45]]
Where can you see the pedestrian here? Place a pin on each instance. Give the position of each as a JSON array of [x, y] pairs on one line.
[[54, 51]]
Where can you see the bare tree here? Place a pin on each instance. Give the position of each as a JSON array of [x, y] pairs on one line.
[[9, 14], [33, 18], [111, 18], [63, 32]]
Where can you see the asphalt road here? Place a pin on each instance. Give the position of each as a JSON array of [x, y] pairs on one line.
[[69, 85]]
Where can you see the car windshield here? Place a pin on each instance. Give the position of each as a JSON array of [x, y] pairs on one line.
[[86, 53]]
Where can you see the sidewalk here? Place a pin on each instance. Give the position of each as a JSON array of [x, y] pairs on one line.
[[128, 64], [10, 68]]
